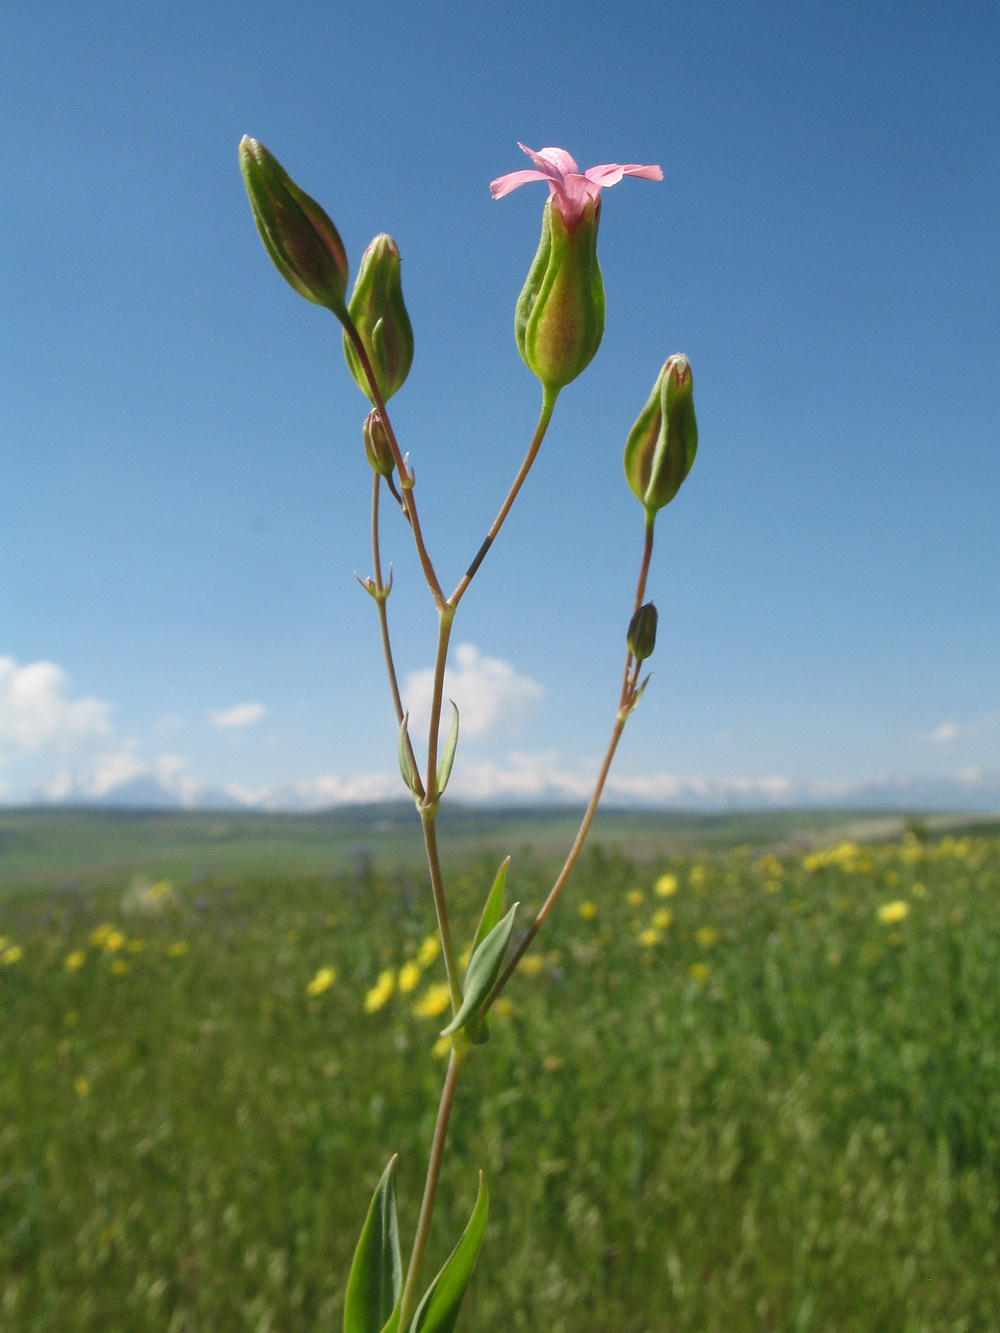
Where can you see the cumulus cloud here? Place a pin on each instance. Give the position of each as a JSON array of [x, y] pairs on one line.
[[492, 699], [947, 731], [240, 715], [38, 716]]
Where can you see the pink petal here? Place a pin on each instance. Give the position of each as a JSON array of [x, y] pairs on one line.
[[504, 184], [555, 162], [612, 172]]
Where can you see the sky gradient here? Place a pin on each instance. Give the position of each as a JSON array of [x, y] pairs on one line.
[[185, 496]]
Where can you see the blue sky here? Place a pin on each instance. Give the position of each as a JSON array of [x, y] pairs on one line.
[[185, 498]]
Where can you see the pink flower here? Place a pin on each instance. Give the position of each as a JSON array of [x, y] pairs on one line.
[[570, 188]]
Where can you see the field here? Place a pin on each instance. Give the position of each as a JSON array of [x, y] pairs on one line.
[[751, 1081]]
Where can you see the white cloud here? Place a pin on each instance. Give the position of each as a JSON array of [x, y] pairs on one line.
[[240, 715], [947, 731], [37, 715], [492, 699]]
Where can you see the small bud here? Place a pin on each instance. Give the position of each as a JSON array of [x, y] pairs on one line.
[[377, 447], [641, 637], [559, 321], [297, 234], [662, 444], [380, 317]]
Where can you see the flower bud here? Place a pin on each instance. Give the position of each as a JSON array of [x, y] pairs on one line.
[[377, 447], [559, 321], [641, 637], [661, 445], [297, 234], [380, 317]]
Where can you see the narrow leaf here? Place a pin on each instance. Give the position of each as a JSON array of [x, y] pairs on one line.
[[373, 1287], [438, 1311], [492, 913], [448, 754], [484, 968], [410, 775]]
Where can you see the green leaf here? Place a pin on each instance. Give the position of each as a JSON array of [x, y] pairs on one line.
[[484, 968], [376, 1278], [492, 913], [410, 775], [448, 754], [438, 1311]]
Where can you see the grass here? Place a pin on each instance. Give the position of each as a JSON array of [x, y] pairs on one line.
[[765, 1108]]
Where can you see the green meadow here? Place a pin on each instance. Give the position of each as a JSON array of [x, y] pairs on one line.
[[750, 1081]]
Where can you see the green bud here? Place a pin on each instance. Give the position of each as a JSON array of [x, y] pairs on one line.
[[641, 637], [662, 444], [377, 446], [380, 317], [559, 321], [297, 234]]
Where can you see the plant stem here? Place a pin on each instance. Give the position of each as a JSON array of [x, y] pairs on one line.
[[549, 396], [381, 596], [626, 702], [405, 476], [409, 1297]]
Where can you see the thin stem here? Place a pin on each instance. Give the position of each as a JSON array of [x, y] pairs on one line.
[[428, 823], [405, 476], [381, 596], [549, 396], [408, 1300], [626, 702]]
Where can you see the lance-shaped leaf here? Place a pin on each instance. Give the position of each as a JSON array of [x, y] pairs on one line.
[[484, 968], [410, 775], [438, 1311], [492, 913], [448, 753], [376, 1278]]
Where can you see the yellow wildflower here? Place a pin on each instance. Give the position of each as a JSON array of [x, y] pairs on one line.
[[697, 877], [428, 951], [113, 941], [177, 949], [634, 897], [503, 1006], [890, 913], [588, 911], [322, 981], [665, 886], [648, 937], [409, 977], [531, 964], [699, 971], [12, 954], [75, 960], [119, 967], [706, 936], [98, 936], [434, 1001], [441, 1047], [381, 991], [81, 1086], [663, 918]]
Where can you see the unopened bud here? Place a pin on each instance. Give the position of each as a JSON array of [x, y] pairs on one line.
[[380, 317], [377, 446], [297, 234], [559, 321], [641, 637], [662, 444]]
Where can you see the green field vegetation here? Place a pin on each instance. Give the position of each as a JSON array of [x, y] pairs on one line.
[[739, 1088]]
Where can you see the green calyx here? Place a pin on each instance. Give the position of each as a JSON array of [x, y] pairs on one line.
[[661, 446], [378, 312], [559, 321], [302, 241]]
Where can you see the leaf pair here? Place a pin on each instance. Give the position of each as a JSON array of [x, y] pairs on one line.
[[406, 767], [375, 1284], [486, 959]]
